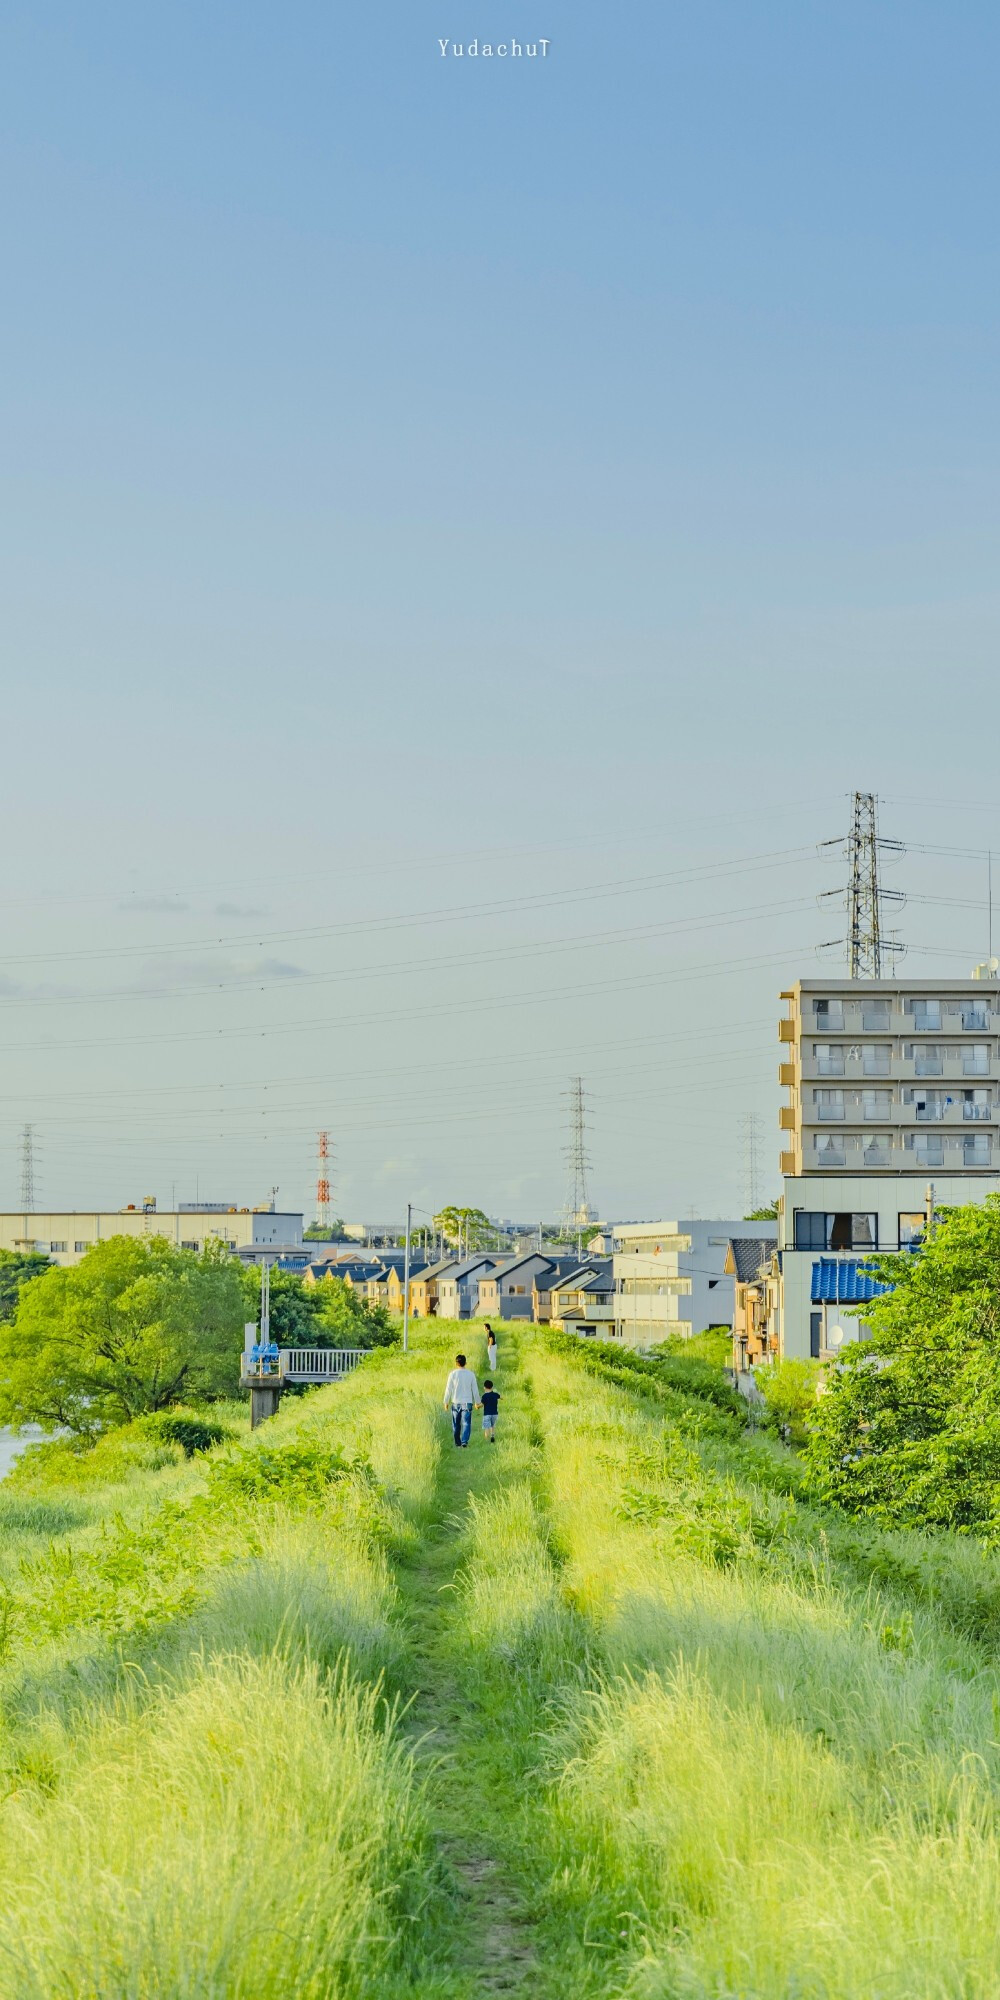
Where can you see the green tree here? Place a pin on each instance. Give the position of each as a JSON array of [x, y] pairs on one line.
[[135, 1326], [324, 1232], [328, 1314], [768, 1214], [908, 1429], [17, 1268], [789, 1390], [350, 1321], [469, 1227]]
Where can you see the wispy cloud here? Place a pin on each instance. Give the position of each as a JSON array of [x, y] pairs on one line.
[[183, 975]]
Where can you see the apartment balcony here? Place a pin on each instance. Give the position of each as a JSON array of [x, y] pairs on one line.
[[788, 1118], [952, 1064], [789, 1163], [787, 1073]]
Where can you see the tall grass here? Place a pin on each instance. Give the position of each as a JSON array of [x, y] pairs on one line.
[[782, 1780], [205, 1790], [250, 1830]]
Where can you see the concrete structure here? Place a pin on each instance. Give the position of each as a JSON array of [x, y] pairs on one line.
[[66, 1235], [893, 1087], [671, 1278]]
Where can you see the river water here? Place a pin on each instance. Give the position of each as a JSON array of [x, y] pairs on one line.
[[12, 1443]]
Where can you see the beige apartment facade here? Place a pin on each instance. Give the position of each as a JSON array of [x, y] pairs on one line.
[[892, 1111], [891, 1076], [66, 1235]]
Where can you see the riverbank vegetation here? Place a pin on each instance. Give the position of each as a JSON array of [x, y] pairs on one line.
[[612, 1708]]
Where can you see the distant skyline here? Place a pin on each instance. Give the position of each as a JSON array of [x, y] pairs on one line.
[[467, 529]]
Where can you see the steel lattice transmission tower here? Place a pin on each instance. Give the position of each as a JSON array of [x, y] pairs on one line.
[[751, 1160], [868, 943], [323, 1179], [578, 1210], [28, 1170]]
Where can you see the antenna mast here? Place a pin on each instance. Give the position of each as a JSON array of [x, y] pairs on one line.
[[28, 1170]]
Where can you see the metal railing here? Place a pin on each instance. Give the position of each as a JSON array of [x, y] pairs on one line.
[[320, 1363]]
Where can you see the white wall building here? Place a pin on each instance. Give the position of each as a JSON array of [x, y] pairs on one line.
[[669, 1277], [66, 1235]]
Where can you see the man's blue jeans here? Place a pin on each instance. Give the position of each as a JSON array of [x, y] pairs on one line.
[[461, 1421]]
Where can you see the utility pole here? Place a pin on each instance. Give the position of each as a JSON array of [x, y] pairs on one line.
[[929, 1218], [406, 1282], [28, 1170]]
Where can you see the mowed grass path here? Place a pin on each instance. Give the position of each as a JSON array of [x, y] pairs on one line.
[[343, 1713]]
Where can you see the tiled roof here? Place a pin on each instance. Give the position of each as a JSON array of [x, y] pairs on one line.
[[749, 1253], [844, 1281]]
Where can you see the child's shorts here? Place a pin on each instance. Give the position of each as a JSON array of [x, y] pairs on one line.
[[488, 1423]]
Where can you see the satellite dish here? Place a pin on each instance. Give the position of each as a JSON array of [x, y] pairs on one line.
[[835, 1336]]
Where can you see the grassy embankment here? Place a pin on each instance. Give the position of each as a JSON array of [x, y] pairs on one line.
[[605, 1709]]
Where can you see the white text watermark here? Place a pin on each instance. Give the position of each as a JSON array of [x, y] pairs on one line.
[[477, 48]]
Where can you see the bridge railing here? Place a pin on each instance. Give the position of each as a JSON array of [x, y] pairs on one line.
[[320, 1364]]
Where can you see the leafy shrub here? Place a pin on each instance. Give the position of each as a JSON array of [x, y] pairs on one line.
[[290, 1472], [192, 1432]]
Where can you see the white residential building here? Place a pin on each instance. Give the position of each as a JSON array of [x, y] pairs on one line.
[[670, 1277]]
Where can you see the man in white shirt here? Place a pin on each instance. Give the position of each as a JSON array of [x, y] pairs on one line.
[[460, 1396]]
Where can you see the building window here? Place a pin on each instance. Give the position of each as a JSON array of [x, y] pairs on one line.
[[926, 1014], [876, 1103], [829, 1104], [830, 1151], [877, 1149], [829, 1059], [912, 1224], [928, 1147], [929, 1106], [844, 1231], [975, 1017], [976, 1149], [830, 1014], [189, 1246], [976, 1060], [80, 1248], [975, 1104], [876, 1059], [57, 1246], [875, 1016], [929, 1060]]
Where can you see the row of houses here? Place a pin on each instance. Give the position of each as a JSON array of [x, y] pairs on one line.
[[558, 1290], [645, 1282]]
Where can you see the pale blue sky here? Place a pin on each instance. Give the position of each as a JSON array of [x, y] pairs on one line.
[[431, 484]]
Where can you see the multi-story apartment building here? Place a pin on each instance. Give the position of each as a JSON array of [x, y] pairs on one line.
[[891, 1084], [671, 1277]]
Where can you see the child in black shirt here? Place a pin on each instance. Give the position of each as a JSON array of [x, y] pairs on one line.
[[491, 1404]]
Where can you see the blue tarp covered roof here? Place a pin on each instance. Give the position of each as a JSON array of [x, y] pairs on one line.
[[844, 1281]]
